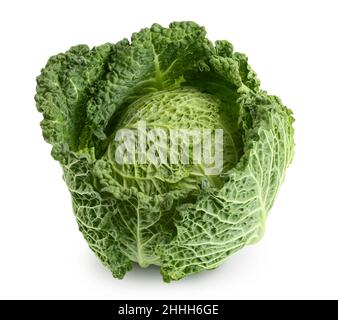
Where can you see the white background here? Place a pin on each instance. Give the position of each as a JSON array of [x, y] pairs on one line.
[[293, 47]]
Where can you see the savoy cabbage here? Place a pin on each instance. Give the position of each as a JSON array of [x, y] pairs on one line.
[[171, 215]]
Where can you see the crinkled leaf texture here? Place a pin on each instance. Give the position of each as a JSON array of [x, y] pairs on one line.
[[170, 216]]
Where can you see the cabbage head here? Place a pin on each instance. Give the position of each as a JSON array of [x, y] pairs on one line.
[[171, 215]]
